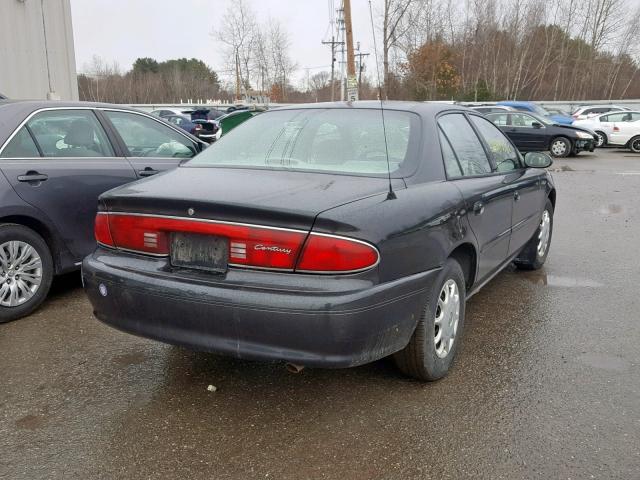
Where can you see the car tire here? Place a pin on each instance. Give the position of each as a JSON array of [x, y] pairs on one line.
[[534, 253], [26, 293], [634, 144], [601, 139], [560, 147], [424, 358]]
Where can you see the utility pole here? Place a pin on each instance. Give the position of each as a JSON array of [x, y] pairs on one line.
[[352, 82], [237, 77], [333, 44], [360, 56]]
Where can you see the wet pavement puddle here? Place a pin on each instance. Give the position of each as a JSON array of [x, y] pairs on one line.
[[541, 278]]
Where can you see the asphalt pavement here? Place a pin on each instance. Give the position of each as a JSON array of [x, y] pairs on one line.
[[546, 385]]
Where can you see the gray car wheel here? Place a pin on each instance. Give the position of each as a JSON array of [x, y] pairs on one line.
[[560, 147], [601, 139], [26, 271], [435, 341], [634, 144], [534, 253]]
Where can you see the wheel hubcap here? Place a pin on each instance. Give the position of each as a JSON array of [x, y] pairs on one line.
[[447, 318], [635, 146], [600, 139], [20, 273], [558, 147], [544, 233]]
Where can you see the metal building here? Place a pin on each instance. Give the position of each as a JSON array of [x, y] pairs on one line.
[[37, 59]]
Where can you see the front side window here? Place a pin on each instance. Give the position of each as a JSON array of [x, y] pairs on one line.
[[21, 146], [145, 137], [504, 154], [466, 144], [349, 141], [70, 133], [635, 116]]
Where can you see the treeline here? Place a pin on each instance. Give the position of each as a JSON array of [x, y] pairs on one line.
[[150, 81], [511, 49]]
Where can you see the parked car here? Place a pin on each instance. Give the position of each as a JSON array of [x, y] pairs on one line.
[[229, 121], [493, 109], [303, 236], [603, 125], [170, 111], [584, 112], [625, 134], [538, 110], [203, 129], [533, 133], [557, 111], [3, 97], [56, 158]]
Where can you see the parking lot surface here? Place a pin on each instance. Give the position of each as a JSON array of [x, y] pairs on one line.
[[547, 384]]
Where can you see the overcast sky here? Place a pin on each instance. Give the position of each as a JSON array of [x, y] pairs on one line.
[[123, 30]]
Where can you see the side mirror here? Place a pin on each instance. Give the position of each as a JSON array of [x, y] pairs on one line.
[[537, 160], [536, 125]]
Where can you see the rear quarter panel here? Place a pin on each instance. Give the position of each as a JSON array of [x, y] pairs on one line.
[[414, 232]]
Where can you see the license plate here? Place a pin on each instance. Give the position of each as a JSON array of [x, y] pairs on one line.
[[202, 252]]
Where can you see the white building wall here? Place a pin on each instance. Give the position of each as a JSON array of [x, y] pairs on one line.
[[34, 64]]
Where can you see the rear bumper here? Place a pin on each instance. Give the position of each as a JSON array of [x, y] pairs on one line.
[[305, 319]]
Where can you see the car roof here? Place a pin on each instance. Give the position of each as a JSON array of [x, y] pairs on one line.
[[31, 105], [422, 108], [514, 103]]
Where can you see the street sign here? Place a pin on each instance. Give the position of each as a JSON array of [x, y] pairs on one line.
[[352, 89]]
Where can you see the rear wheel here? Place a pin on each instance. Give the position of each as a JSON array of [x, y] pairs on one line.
[[634, 144], [560, 147], [434, 343], [601, 139], [535, 252], [26, 271]]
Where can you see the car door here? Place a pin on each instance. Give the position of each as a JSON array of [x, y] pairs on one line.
[[149, 143], [489, 201], [60, 161], [527, 184], [527, 132]]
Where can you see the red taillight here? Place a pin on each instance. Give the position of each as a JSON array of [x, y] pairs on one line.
[[616, 128], [332, 254], [197, 127], [249, 245], [101, 230]]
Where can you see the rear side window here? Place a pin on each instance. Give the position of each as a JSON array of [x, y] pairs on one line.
[[504, 154], [70, 133], [451, 164], [21, 146], [145, 137], [614, 117], [501, 119], [466, 144]]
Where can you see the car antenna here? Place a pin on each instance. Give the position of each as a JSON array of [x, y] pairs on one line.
[[391, 195]]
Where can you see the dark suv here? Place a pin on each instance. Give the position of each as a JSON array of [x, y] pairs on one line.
[[56, 158]]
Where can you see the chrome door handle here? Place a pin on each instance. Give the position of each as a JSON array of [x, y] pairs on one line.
[[147, 172], [478, 208], [33, 176], [516, 196]]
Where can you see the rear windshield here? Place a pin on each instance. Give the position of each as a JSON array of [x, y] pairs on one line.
[[349, 141]]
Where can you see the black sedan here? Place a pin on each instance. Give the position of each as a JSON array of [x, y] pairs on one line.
[[533, 133], [56, 158], [303, 236]]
